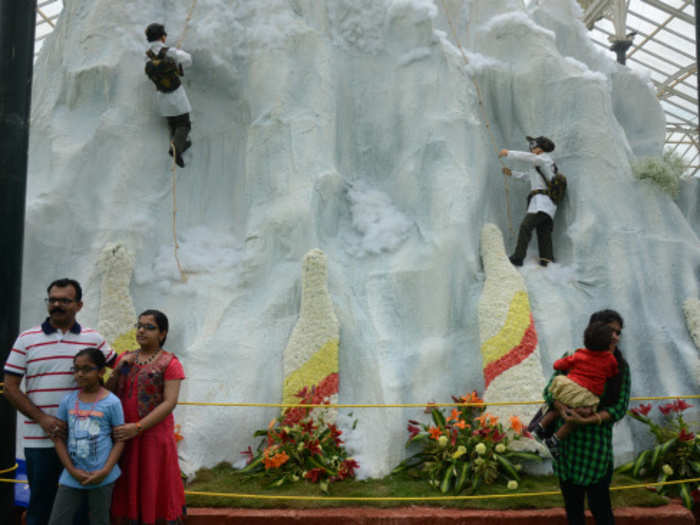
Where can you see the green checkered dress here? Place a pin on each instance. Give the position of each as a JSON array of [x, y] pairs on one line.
[[586, 453]]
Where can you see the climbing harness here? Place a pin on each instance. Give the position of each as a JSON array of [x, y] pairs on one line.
[[484, 117]]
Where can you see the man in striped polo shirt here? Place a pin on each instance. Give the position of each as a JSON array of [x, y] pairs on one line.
[[43, 355]]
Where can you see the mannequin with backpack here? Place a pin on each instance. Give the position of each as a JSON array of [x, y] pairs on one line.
[[164, 66], [548, 188]]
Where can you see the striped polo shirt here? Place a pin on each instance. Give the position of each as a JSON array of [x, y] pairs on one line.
[[44, 356]]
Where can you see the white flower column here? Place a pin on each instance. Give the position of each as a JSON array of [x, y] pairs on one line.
[[117, 313], [311, 356], [691, 309], [511, 357]]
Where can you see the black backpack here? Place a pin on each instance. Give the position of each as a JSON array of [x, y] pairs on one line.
[[556, 187], [163, 70]]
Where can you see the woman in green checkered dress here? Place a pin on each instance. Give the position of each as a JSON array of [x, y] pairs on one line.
[[586, 464]]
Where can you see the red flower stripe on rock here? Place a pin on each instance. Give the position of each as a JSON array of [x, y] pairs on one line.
[[519, 353]]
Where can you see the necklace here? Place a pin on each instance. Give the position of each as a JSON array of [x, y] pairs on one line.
[[138, 362]]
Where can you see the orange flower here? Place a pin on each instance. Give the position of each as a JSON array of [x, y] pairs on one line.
[[454, 415], [516, 424], [272, 460], [461, 424], [178, 436], [271, 424], [486, 420], [472, 398], [435, 432]]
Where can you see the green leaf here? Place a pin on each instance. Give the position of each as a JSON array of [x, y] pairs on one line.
[[259, 433], [507, 466], [695, 466], [252, 465], [438, 418], [476, 482], [445, 485], [528, 456], [319, 464], [639, 463], [462, 478], [625, 468], [665, 447], [685, 496]]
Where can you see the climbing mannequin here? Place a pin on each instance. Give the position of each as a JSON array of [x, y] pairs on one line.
[[541, 207], [165, 67]]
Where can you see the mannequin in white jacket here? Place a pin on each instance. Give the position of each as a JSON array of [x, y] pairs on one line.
[[541, 209], [171, 98]]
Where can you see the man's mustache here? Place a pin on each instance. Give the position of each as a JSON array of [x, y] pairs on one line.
[[57, 310]]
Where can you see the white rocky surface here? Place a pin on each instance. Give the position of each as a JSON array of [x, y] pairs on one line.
[[352, 126]]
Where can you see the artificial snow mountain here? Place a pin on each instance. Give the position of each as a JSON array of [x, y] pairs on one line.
[[367, 129]]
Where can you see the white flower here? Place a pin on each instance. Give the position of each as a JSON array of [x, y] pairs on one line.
[[300, 446], [478, 461], [500, 448], [442, 441], [518, 467], [667, 469], [512, 484], [480, 449]]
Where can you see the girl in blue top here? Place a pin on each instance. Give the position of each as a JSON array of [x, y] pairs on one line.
[[89, 455]]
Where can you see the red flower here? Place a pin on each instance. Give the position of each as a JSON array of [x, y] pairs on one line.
[[313, 474], [679, 405], [314, 447], [293, 415], [335, 433], [413, 430], [666, 409], [497, 436], [641, 410], [684, 435], [413, 422], [308, 427], [249, 454], [347, 469]]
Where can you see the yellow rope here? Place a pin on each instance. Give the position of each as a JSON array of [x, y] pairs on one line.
[[5, 471], [406, 498], [484, 117], [404, 405]]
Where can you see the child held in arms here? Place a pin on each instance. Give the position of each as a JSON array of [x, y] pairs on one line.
[[164, 66], [580, 389]]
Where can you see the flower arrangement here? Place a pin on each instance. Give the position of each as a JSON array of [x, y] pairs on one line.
[[665, 171], [301, 445], [467, 448], [676, 455]]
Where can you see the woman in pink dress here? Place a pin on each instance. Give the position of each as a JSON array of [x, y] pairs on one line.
[[147, 381]]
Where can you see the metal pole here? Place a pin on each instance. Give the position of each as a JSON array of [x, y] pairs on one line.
[[697, 58], [17, 24]]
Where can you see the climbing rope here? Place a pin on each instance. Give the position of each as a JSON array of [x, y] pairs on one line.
[[187, 23], [176, 245], [484, 116]]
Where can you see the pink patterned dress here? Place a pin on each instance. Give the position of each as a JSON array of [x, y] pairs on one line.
[[150, 489]]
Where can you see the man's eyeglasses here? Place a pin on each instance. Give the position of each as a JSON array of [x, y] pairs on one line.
[[145, 326], [59, 300], [83, 369]]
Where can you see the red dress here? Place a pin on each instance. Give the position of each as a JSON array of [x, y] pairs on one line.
[[150, 489]]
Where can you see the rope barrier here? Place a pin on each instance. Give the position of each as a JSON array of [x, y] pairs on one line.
[[406, 498], [12, 468], [404, 405], [484, 117], [187, 23]]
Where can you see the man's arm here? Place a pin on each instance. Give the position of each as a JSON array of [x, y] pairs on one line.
[[50, 424], [182, 57]]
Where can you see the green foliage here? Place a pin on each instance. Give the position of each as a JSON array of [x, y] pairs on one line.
[[676, 455], [664, 171], [465, 450]]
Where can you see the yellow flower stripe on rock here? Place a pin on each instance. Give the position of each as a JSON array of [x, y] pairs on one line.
[[513, 330], [125, 342], [316, 369]]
